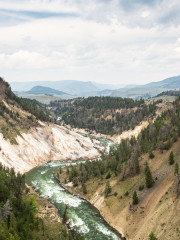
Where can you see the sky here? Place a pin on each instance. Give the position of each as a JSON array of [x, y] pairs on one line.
[[107, 41]]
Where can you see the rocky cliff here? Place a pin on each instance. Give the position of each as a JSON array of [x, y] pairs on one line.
[[49, 142]]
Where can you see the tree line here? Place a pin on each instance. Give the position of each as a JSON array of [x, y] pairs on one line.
[[123, 159], [105, 115], [18, 212]]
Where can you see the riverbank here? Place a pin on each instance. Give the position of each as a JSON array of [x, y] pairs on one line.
[[83, 197], [84, 218], [157, 208], [49, 215]]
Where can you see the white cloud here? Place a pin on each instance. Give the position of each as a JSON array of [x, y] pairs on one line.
[[107, 42]]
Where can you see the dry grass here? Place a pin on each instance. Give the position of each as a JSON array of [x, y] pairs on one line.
[[157, 209]]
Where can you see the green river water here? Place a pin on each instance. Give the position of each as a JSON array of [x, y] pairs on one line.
[[84, 218]]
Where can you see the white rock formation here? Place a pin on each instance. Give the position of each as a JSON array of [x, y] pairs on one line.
[[45, 143]]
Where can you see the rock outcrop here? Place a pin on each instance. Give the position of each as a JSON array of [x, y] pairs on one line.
[[49, 142]]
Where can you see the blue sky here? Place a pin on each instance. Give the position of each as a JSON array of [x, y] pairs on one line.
[[108, 41]]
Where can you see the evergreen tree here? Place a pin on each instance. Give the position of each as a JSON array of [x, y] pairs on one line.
[[151, 155], [152, 236], [148, 177], [171, 158], [135, 198], [84, 188], [107, 189], [64, 218], [176, 169], [137, 166]]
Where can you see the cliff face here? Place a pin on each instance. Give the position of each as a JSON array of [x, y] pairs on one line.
[[45, 143], [26, 142]]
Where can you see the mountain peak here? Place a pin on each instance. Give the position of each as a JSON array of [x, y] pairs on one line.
[[45, 90]]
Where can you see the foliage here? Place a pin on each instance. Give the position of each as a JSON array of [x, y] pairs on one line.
[[65, 214], [151, 155], [123, 159], [107, 190], [135, 198], [13, 119], [170, 93], [84, 188], [18, 212], [152, 236], [148, 177], [176, 169], [106, 115], [171, 158], [32, 106], [126, 193], [141, 187]]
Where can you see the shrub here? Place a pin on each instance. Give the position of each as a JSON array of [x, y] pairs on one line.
[[126, 194], [171, 158], [135, 198], [151, 155], [148, 176], [141, 187], [152, 236], [108, 175]]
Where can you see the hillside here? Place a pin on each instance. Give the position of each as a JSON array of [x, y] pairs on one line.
[[26, 141], [104, 114], [86, 89], [148, 90], [69, 86], [143, 165], [21, 212], [157, 208], [45, 91], [18, 115], [175, 93], [44, 99]]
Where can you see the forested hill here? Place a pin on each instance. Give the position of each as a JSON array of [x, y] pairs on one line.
[[19, 212], [104, 114], [137, 182], [17, 114], [123, 160], [169, 93]]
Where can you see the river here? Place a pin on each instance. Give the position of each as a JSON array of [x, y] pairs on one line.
[[84, 218]]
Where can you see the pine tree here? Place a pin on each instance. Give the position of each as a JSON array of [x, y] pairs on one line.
[[107, 189], [137, 166], [135, 198], [148, 177], [176, 169], [151, 155], [84, 188], [152, 236], [65, 214], [171, 158]]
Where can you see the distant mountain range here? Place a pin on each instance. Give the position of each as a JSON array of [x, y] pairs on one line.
[[45, 91], [72, 87], [86, 89], [148, 90]]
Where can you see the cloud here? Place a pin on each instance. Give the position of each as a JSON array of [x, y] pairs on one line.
[[112, 40], [132, 13]]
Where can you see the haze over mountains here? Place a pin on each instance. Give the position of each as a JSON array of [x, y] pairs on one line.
[[150, 89], [72, 87], [86, 89], [45, 90]]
